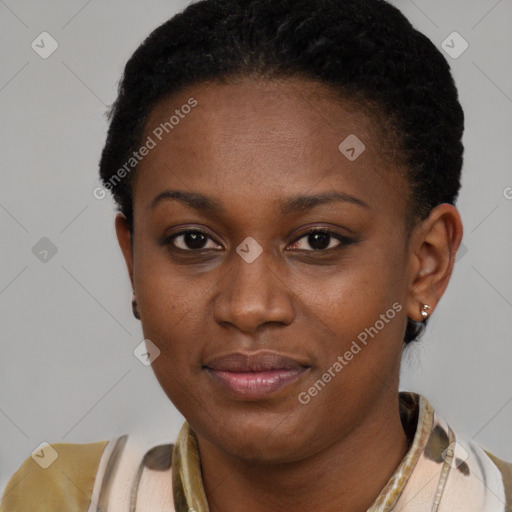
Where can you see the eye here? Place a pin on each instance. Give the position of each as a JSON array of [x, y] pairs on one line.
[[191, 240], [322, 240]]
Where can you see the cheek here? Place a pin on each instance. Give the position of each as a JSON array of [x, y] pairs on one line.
[[365, 327], [170, 308], [353, 296], [164, 292], [358, 314]]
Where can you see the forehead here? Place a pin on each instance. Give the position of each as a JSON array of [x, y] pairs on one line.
[[264, 139]]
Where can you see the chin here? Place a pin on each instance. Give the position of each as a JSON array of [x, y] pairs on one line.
[[258, 439], [262, 451]]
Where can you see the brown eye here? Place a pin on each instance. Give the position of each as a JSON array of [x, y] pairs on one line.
[[191, 240], [322, 240]]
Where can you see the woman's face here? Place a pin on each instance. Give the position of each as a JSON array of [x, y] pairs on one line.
[[251, 313]]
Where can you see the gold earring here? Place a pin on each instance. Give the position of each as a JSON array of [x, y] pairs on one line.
[[424, 312]]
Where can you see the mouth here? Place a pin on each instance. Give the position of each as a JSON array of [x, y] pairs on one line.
[[254, 376]]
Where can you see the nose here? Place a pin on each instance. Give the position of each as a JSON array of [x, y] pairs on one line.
[[253, 294]]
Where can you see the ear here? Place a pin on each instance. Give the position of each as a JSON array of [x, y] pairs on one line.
[[433, 247], [124, 238]]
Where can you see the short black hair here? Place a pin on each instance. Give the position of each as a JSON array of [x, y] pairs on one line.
[[366, 50]]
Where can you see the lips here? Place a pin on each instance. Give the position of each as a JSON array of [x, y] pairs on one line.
[[254, 376], [257, 362]]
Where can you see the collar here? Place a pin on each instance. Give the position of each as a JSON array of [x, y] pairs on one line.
[[417, 417]]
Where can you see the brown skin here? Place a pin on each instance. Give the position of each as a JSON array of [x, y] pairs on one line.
[[250, 145]]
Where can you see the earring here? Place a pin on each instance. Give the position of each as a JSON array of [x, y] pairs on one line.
[[424, 312], [134, 309]]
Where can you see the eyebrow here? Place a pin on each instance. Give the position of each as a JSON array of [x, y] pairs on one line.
[[208, 205], [198, 202], [300, 203]]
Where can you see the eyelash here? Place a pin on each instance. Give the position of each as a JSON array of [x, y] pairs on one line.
[[344, 241]]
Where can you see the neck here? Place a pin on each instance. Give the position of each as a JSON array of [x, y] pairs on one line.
[[348, 475]]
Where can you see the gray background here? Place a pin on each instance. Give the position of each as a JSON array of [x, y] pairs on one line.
[[67, 371]]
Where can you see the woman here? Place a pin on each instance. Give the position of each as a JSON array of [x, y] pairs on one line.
[[286, 174]]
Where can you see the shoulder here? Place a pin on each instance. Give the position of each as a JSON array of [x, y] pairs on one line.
[[54, 474], [450, 470], [505, 471], [115, 474], [478, 479], [504, 467]]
